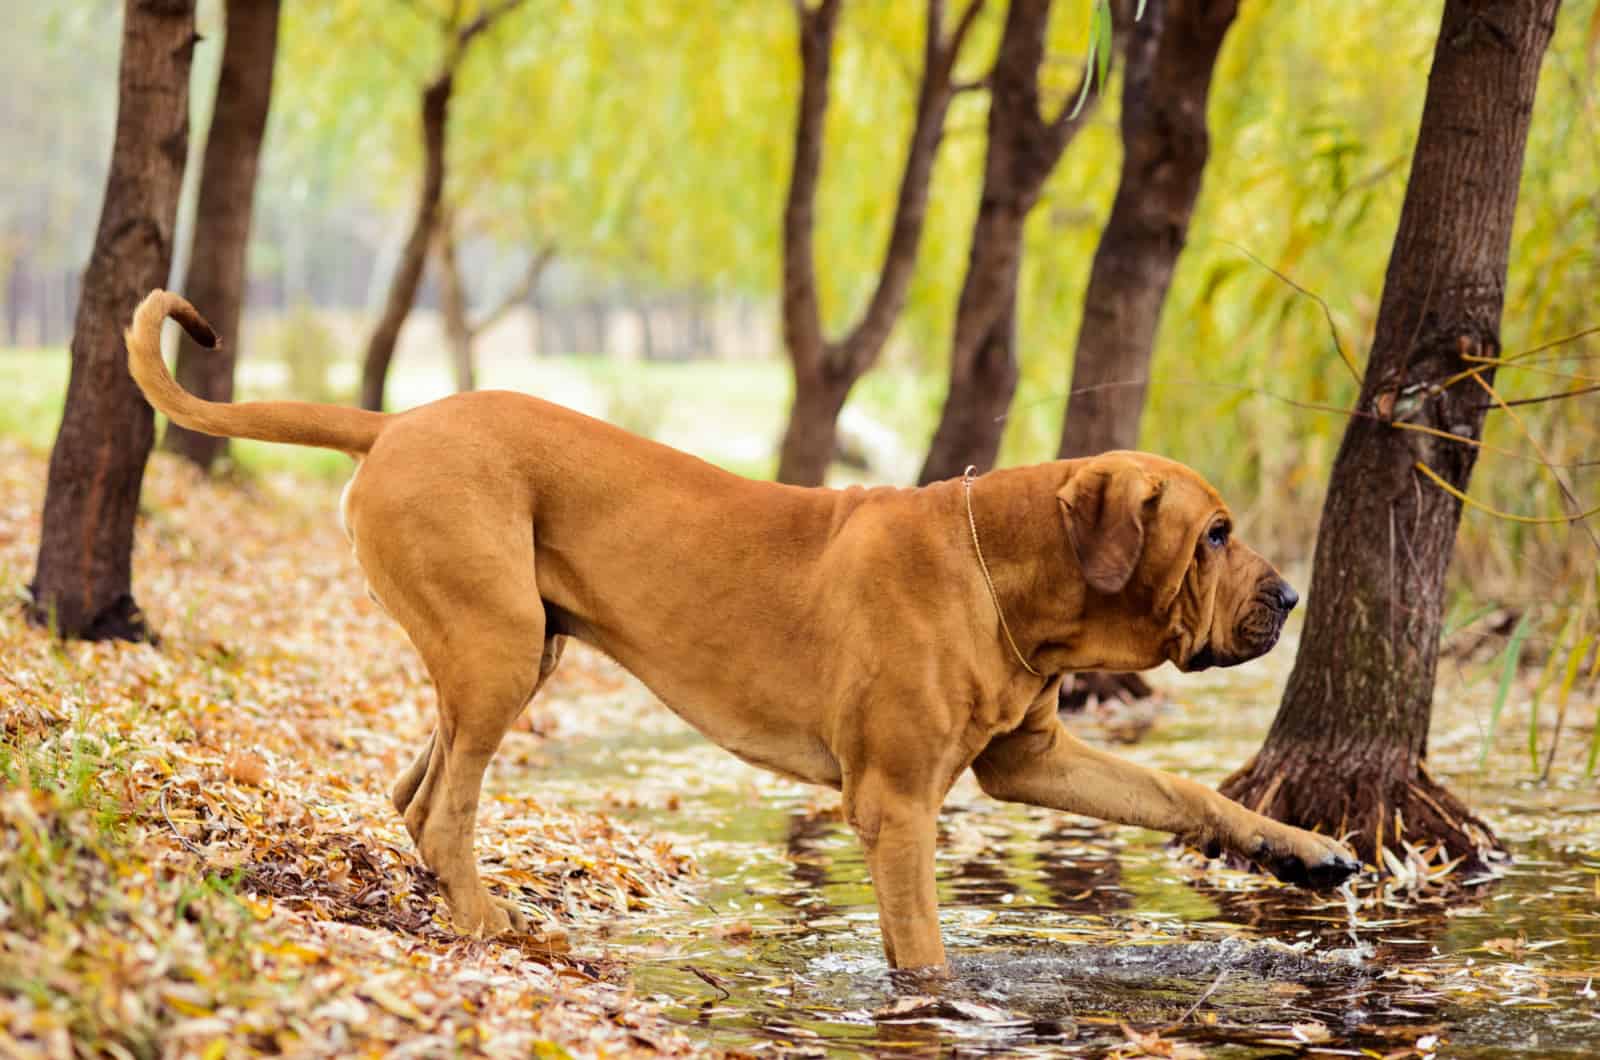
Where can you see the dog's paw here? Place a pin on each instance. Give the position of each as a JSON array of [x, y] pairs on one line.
[[1315, 862], [516, 920], [1322, 875], [493, 916]]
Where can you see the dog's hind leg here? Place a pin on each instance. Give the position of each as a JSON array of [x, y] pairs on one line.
[[474, 712], [467, 597], [405, 788]]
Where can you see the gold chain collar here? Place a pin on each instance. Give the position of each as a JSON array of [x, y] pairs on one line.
[[966, 481]]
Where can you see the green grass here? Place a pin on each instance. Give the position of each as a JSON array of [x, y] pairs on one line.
[[34, 382]]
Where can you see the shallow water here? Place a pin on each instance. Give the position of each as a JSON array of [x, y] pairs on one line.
[[1065, 936]]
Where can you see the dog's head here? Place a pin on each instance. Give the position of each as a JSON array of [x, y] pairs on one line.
[[1165, 577]]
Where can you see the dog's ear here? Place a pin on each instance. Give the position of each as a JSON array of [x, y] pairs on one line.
[[1106, 505]]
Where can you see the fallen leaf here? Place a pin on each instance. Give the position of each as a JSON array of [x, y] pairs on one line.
[[1152, 1044], [381, 995], [244, 767], [922, 1007]]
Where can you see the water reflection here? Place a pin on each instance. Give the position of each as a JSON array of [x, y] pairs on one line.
[[1080, 869], [808, 860], [1062, 930]]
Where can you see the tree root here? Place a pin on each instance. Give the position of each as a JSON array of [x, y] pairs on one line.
[[1078, 689], [119, 620], [1372, 805]]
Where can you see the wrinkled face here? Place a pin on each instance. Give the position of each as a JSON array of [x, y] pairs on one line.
[[1249, 600], [1166, 578]]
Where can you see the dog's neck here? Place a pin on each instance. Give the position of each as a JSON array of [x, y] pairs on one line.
[[1037, 586]]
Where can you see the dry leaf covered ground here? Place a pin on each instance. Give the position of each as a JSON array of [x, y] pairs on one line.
[[197, 853]]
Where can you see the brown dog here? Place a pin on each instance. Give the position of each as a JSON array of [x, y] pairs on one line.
[[879, 641]]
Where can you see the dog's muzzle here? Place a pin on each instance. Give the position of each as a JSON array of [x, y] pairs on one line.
[[1256, 633]]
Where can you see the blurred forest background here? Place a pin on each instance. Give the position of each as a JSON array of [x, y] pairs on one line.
[[731, 225], [615, 192]]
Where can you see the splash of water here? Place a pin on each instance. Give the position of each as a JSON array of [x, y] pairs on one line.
[[1358, 952]]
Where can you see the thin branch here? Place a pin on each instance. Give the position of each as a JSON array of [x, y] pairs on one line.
[[1535, 400], [1212, 989], [188, 844], [426, 11], [1327, 311], [486, 18], [1571, 498], [1548, 520], [706, 977], [401, 60], [1553, 343], [1360, 183], [519, 292], [861, 345], [1476, 443], [1502, 361], [1309, 406], [1571, 377], [968, 16]]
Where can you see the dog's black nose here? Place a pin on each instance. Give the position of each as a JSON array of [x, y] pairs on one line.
[[1287, 596]]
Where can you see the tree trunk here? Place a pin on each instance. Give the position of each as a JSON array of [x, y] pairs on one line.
[[600, 327], [812, 435], [1023, 150], [982, 382], [216, 274], [461, 330], [83, 583], [647, 349], [14, 278], [1171, 55], [453, 303], [1346, 751], [825, 371], [809, 436], [414, 256]]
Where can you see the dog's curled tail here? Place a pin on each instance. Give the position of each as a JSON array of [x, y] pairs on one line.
[[294, 422]]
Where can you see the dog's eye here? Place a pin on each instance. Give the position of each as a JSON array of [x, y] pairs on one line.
[[1217, 536]]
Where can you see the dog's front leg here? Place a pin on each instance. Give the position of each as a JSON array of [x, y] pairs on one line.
[[898, 831], [1045, 765]]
